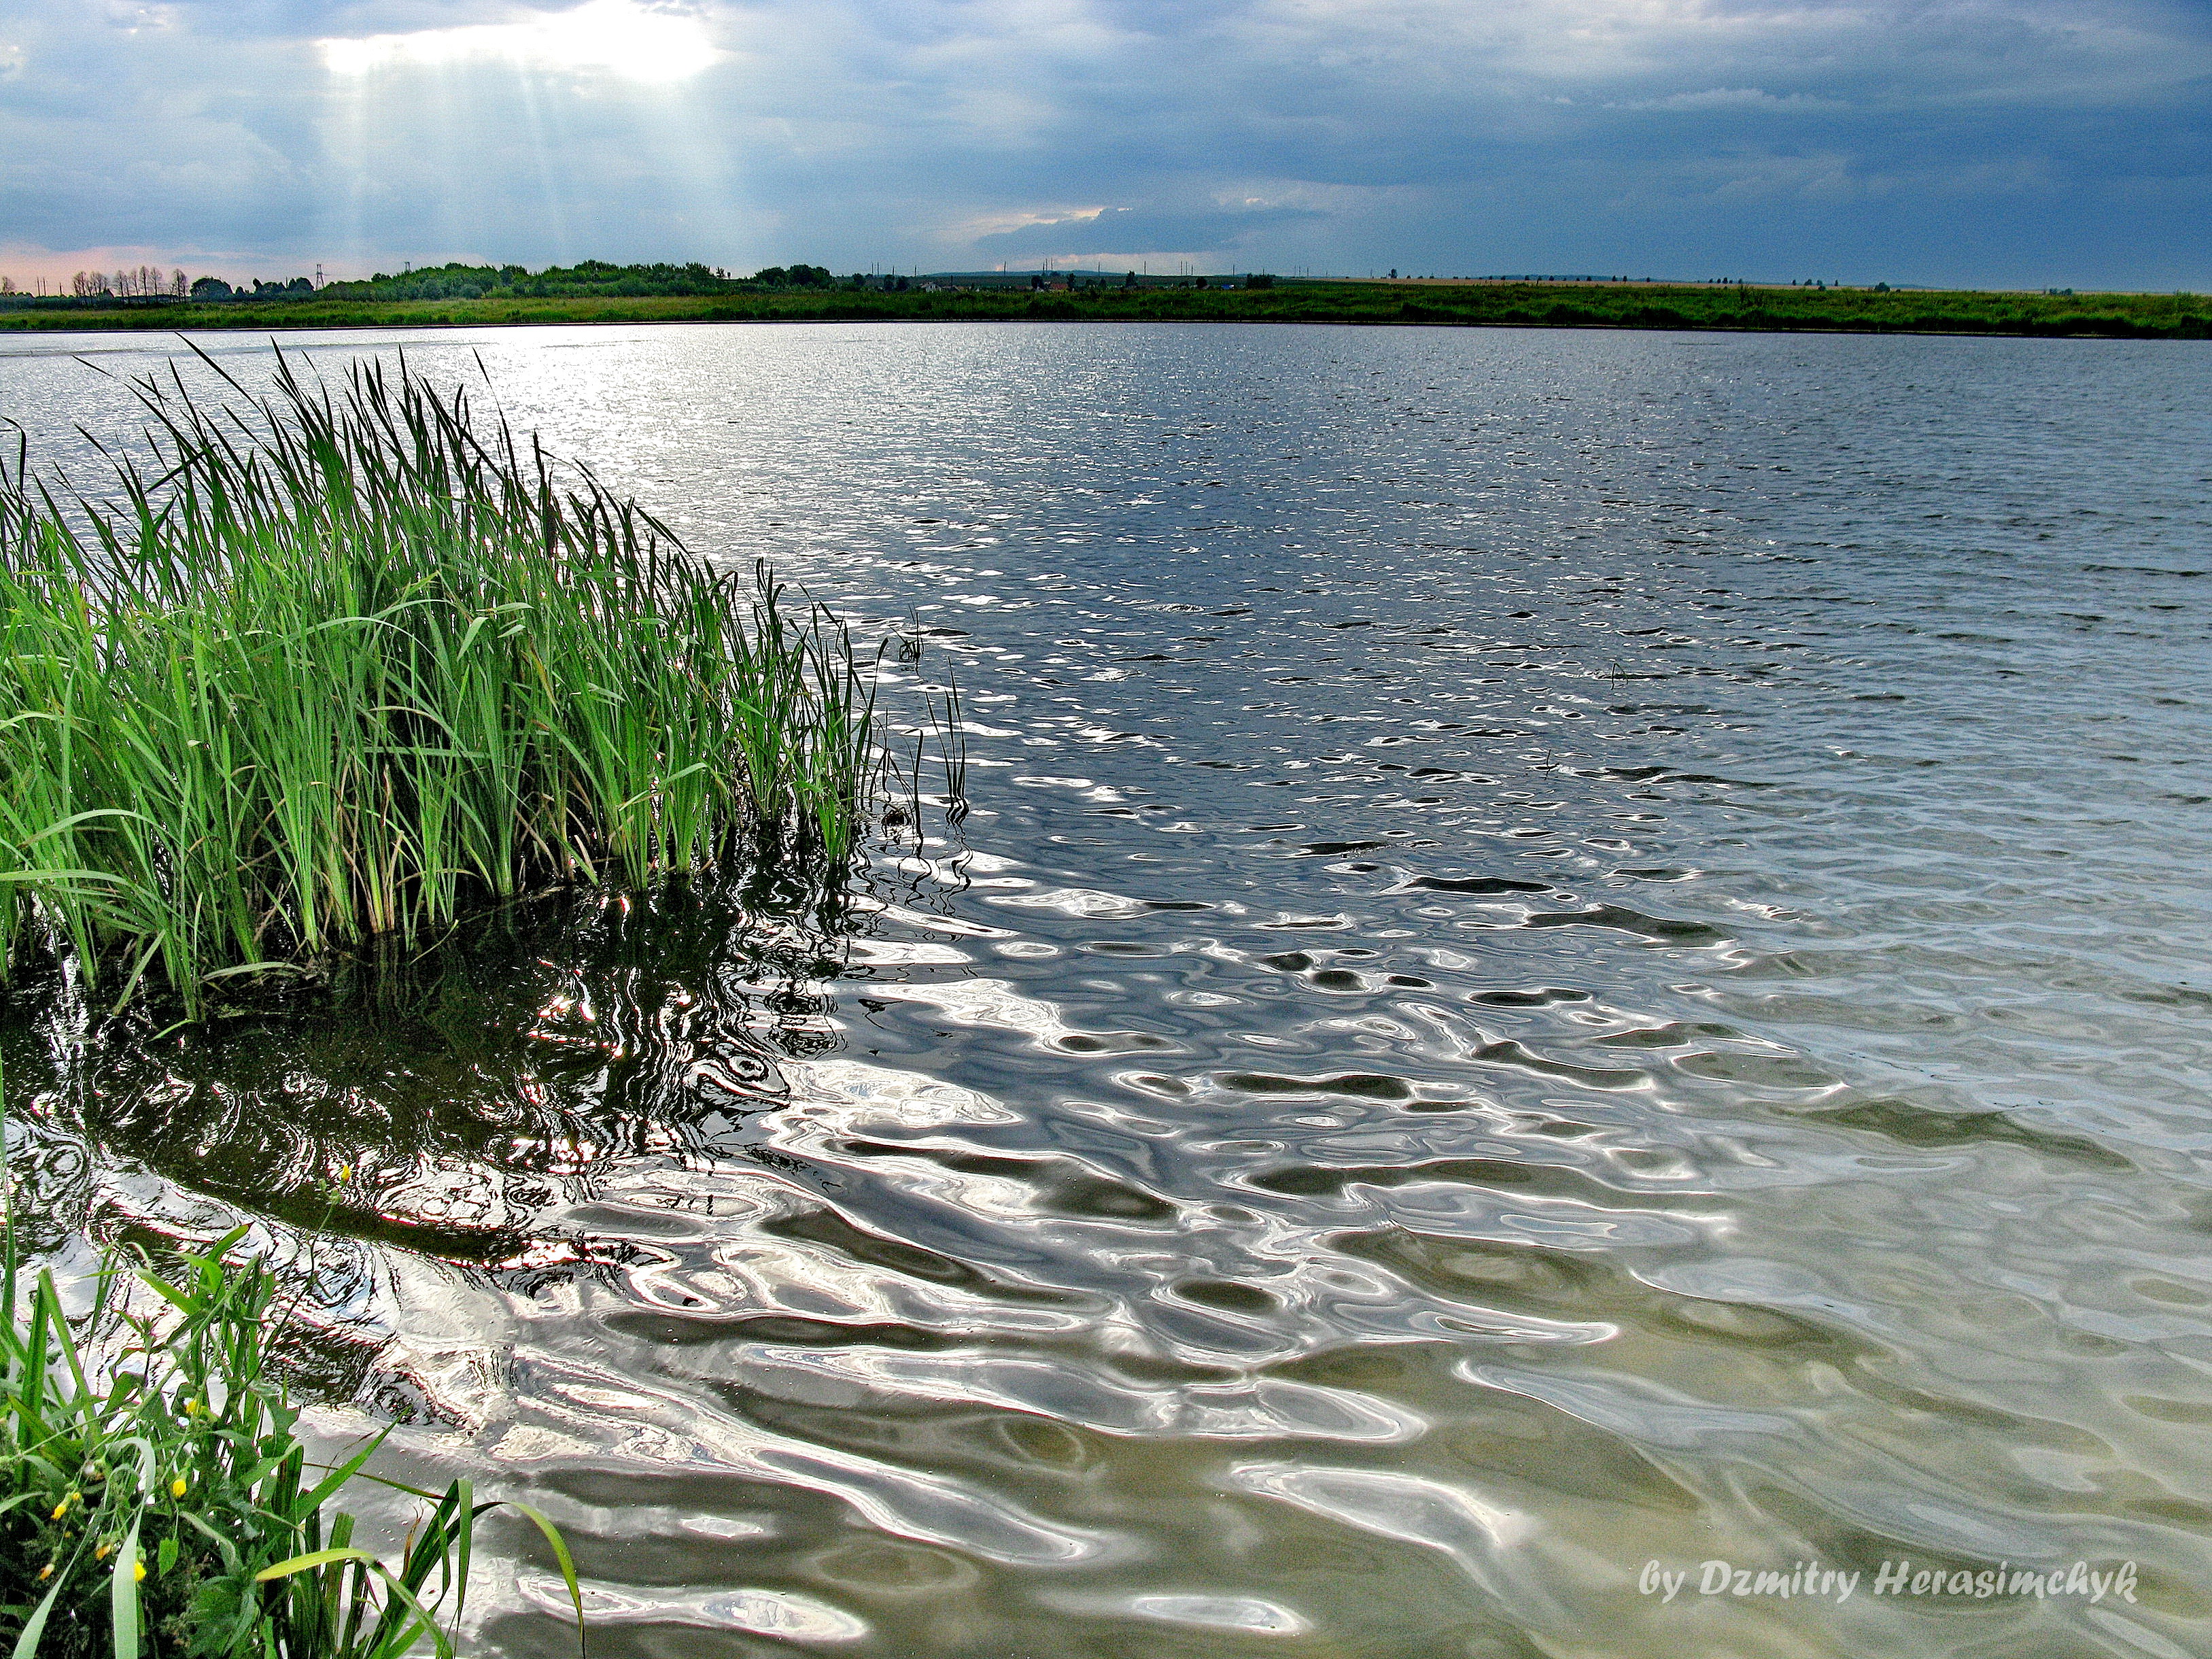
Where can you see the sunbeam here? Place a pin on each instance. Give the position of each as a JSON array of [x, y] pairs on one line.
[[612, 78]]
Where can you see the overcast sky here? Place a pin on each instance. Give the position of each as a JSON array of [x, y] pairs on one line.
[[1999, 143]]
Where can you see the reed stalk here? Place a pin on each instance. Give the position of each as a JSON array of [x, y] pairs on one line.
[[334, 664]]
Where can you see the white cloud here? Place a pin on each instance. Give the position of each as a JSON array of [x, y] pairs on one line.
[[617, 37]]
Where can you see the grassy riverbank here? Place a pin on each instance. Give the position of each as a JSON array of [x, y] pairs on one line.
[[1517, 304], [349, 663]]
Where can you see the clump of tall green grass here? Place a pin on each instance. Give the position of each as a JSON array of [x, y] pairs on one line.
[[333, 663], [154, 1503]]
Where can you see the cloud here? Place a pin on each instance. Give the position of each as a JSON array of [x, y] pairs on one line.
[[1743, 98], [1131, 230], [618, 37], [2060, 142]]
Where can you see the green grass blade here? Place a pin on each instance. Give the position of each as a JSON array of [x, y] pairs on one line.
[[123, 1595], [34, 1627], [313, 1559], [559, 1547], [342, 1473]]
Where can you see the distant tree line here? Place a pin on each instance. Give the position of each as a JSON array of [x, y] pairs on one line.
[[598, 291], [214, 288], [592, 278], [790, 276], [147, 282]]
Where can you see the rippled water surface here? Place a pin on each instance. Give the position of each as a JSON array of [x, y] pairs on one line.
[[1573, 949]]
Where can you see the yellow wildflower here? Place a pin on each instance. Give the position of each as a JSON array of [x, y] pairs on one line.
[[100, 1554], [138, 1572], [45, 1572], [177, 1487]]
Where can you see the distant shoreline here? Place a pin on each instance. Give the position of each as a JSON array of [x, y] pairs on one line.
[[1714, 308]]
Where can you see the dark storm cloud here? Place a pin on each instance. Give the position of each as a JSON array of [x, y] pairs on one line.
[[1996, 141]]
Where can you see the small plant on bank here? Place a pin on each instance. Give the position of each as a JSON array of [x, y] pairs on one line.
[[155, 1502], [343, 665]]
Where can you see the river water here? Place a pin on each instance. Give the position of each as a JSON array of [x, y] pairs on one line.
[[1572, 950]]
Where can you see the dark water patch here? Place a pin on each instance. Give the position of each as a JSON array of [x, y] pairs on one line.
[[1336, 979], [1622, 918], [1539, 998], [1470, 884], [1356, 1086], [1924, 1126], [1229, 1297], [1675, 1034], [677, 1331], [1513, 1055]]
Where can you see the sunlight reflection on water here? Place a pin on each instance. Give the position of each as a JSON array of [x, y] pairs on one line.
[[1572, 949]]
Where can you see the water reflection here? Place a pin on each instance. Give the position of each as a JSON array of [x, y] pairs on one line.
[[445, 1103], [1525, 993]]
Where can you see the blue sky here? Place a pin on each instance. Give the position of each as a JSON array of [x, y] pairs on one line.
[[1998, 142]]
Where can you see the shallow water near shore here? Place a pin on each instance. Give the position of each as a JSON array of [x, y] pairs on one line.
[[1571, 950]]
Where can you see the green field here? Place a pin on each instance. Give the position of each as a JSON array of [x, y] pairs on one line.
[[1505, 305]]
